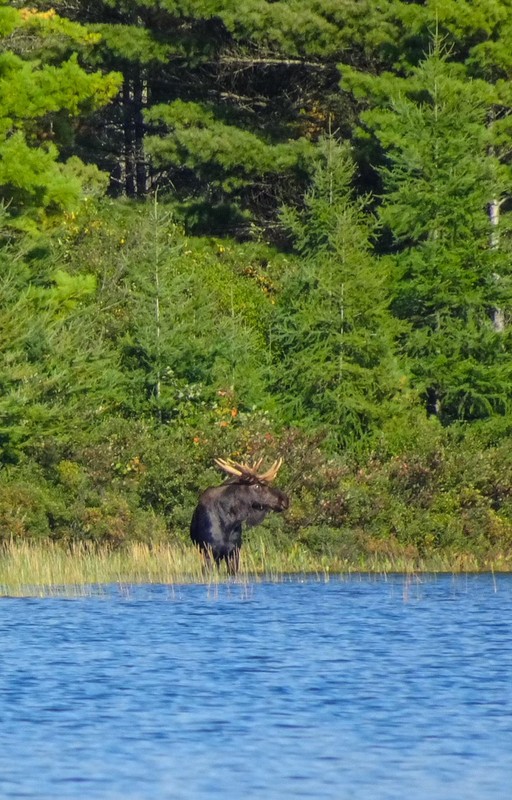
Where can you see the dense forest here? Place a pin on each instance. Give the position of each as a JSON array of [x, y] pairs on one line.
[[262, 229]]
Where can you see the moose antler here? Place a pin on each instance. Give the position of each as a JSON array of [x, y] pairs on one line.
[[271, 473], [248, 472]]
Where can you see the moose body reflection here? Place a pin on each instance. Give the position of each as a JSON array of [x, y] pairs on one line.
[[216, 526]]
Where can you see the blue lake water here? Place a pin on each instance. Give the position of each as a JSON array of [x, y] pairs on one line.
[[361, 688]]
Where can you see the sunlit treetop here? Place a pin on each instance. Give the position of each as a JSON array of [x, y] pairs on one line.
[[43, 90]]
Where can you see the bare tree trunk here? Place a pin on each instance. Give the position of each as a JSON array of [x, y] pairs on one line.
[[129, 138], [139, 129], [135, 99], [497, 314], [158, 324]]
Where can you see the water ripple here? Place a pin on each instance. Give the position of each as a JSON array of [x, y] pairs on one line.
[[358, 688]]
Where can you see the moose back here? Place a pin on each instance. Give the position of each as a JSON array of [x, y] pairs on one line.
[[247, 497]]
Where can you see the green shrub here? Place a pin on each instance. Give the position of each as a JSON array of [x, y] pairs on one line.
[[30, 507]]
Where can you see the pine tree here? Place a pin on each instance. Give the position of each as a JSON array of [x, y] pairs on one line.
[[220, 101], [43, 90]]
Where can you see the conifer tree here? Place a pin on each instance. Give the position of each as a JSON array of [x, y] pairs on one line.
[[43, 89], [182, 314], [449, 274], [58, 376], [220, 101], [336, 367]]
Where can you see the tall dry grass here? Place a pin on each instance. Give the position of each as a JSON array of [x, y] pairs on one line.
[[48, 568]]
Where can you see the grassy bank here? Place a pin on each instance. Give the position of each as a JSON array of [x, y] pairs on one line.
[[49, 569]]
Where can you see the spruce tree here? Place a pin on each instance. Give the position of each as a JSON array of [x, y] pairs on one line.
[[59, 376], [334, 358], [186, 316], [450, 275]]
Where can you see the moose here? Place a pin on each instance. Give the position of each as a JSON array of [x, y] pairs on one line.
[[216, 527]]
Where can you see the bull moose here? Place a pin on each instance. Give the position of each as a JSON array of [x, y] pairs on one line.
[[216, 527]]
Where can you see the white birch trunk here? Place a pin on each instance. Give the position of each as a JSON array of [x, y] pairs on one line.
[[497, 314]]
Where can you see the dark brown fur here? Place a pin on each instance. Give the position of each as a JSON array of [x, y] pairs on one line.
[[216, 527]]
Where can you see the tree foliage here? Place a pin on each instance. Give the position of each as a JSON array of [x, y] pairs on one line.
[[363, 332], [43, 89], [335, 333], [58, 376], [440, 181]]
